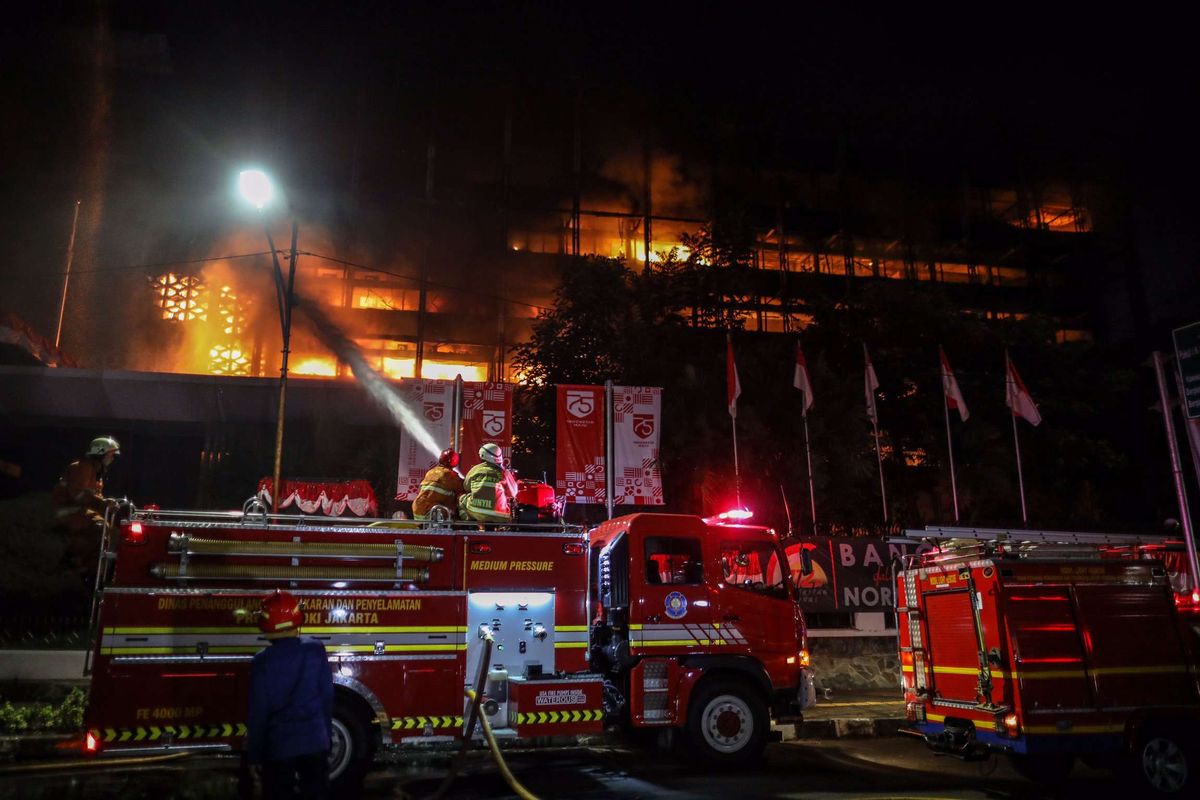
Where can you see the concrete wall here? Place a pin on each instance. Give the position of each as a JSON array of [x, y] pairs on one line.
[[847, 663]]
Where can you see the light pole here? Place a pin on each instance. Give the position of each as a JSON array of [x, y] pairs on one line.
[[257, 190]]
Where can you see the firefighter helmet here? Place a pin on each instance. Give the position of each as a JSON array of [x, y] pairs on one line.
[[279, 615], [448, 458], [492, 454], [103, 445]]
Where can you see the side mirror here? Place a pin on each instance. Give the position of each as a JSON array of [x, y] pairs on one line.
[[806, 564]]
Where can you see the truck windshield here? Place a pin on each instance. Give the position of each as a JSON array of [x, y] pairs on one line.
[[758, 566]]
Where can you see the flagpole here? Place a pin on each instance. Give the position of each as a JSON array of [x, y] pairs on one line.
[[1016, 439], [610, 471], [950, 448], [873, 412], [879, 460], [737, 477], [812, 493]]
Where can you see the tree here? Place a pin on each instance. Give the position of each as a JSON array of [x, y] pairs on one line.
[[610, 323]]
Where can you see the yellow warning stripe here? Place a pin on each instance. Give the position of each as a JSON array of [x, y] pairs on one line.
[[1053, 730], [561, 645], [571, 628], [153, 733], [674, 642], [550, 717], [180, 650], [1056, 674], [1147, 670], [217, 650], [247, 629], [420, 723]]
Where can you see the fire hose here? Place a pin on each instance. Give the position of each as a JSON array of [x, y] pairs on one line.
[[476, 697], [46, 766]]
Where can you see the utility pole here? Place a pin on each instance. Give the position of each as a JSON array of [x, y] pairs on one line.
[[62, 305]]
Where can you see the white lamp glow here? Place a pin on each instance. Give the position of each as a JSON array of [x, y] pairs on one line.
[[255, 187]]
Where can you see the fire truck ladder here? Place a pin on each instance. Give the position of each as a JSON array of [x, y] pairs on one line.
[[188, 547], [913, 615]]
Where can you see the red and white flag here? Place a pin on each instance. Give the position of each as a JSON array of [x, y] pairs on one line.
[[954, 397], [871, 385], [800, 379], [1017, 397], [733, 386]]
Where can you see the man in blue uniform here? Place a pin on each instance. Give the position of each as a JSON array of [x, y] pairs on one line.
[[291, 705]]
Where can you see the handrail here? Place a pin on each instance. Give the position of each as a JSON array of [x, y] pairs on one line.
[[293, 521]]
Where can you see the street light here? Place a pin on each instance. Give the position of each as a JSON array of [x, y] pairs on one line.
[[255, 187]]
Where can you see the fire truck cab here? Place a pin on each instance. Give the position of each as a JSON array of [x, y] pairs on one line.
[[1049, 647], [650, 620], [695, 626]]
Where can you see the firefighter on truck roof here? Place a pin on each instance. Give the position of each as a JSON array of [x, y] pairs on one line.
[[288, 727], [79, 502], [441, 486], [490, 488]]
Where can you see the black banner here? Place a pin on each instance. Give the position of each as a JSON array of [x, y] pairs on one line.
[[848, 574]]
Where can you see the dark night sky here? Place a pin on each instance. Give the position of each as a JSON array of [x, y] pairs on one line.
[[338, 96]]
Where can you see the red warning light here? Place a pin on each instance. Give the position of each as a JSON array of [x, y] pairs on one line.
[[135, 533]]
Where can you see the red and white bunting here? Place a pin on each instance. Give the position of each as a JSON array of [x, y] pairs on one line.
[[801, 380], [1017, 397], [954, 398], [733, 387], [579, 444]]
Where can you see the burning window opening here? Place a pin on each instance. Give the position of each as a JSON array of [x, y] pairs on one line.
[[232, 312], [317, 367], [181, 298], [228, 360]]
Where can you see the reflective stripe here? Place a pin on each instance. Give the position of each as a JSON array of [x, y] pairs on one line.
[[430, 487]]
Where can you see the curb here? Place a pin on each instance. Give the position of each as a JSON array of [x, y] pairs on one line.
[[842, 728], [37, 746]]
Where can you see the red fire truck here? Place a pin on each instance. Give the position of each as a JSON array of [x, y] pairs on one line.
[[649, 620], [1050, 647]]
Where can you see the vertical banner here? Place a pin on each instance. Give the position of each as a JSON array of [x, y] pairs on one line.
[[637, 422], [432, 400], [579, 444], [487, 417]]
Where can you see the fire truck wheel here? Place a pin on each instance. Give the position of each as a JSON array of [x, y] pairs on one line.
[[352, 747], [1046, 769], [1165, 761], [727, 723]]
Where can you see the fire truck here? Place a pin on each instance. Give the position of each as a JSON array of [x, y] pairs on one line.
[[1053, 646], [650, 621]]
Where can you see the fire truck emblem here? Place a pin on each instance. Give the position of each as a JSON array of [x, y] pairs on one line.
[[494, 422], [434, 411], [676, 605], [580, 403], [643, 425]]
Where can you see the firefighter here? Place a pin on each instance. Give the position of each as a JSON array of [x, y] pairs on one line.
[[79, 504], [289, 724], [490, 488], [441, 486]]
